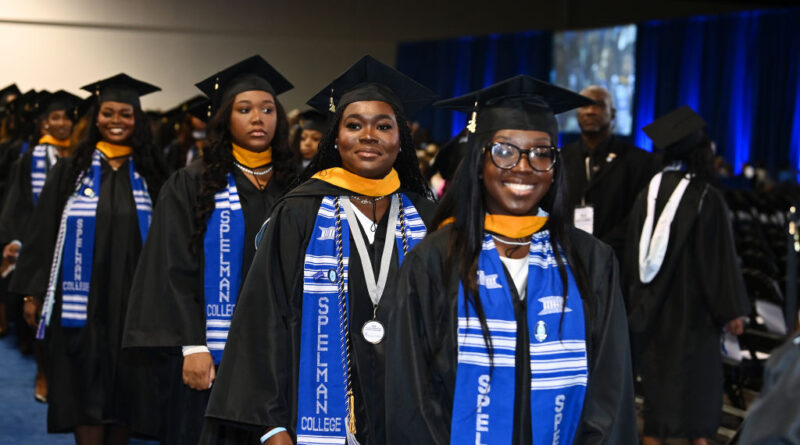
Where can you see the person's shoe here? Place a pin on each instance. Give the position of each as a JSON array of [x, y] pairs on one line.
[[40, 388]]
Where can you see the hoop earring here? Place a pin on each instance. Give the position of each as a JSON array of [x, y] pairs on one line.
[[335, 146]]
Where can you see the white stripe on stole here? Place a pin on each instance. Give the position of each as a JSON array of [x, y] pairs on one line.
[[318, 440], [562, 365], [494, 324], [74, 315], [324, 260], [75, 298], [217, 335], [557, 347], [215, 323], [216, 345], [558, 382], [73, 307], [482, 359], [498, 342]]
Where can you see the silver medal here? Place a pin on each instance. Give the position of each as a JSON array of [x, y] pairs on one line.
[[373, 332]]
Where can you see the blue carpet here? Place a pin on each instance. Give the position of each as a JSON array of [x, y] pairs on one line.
[[22, 419]]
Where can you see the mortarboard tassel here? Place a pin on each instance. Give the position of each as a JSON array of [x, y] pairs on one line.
[[473, 121]]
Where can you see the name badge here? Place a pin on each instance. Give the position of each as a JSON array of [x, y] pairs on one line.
[[584, 218]]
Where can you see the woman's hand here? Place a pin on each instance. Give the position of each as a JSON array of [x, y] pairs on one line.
[[282, 438], [735, 326], [30, 310], [198, 371]]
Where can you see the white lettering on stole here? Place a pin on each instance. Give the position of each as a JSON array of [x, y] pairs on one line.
[[560, 399], [78, 256], [482, 419], [324, 424], [322, 367], [224, 248], [488, 281]]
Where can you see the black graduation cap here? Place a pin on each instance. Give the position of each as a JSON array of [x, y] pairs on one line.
[[120, 88], [253, 73], [22, 102], [200, 109], [368, 79], [677, 131], [518, 103], [313, 120], [11, 90], [84, 106], [60, 100]]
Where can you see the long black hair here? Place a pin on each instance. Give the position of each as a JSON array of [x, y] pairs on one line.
[[465, 201], [218, 162], [149, 162], [698, 161], [406, 164]]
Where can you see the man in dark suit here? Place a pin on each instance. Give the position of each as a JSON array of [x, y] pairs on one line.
[[604, 173]]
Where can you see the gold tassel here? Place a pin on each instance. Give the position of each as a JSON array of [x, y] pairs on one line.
[[473, 122], [332, 107], [351, 421], [216, 83]]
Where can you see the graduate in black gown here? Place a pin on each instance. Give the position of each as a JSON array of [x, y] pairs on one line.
[[684, 284], [274, 376], [24, 186], [192, 134], [87, 228], [553, 372], [175, 299]]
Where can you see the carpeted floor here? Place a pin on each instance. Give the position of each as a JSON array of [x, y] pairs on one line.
[[23, 421]]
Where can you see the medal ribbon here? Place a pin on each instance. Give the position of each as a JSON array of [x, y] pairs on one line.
[[374, 288]]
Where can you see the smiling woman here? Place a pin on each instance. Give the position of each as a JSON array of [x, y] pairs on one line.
[[495, 314], [304, 362], [85, 236]]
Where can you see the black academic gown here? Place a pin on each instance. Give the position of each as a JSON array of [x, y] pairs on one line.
[[257, 381], [619, 172], [91, 381], [422, 349], [772, 419], [167, 303], [9, 153], [677, 319]]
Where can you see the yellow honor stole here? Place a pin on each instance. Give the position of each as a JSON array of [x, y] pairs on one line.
[[363, 186], [111, 151], [50, 140], [508, 225], [252, 159]]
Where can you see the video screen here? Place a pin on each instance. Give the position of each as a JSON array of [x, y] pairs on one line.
[[605, 57]]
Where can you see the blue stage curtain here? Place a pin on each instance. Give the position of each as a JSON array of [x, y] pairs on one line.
[[739, 71], [456, 66]]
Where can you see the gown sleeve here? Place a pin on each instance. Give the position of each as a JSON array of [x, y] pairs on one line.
[[35, 259], [609, 415], [17, 205], [166, 307], [418, 406], [726, 295], [257, 373]]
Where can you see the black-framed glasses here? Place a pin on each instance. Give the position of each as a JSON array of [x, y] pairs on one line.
[[507, 156]]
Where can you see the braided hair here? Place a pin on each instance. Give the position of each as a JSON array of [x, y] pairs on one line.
[[406, 164], [218, 163]]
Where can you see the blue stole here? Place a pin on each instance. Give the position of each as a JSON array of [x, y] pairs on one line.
[[322, 405], [75, 244], [483, 405], [223, 245], [38, 170]]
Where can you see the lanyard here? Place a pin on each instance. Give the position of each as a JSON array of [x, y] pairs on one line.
[[374, 288]]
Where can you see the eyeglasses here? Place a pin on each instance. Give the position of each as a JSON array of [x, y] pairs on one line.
[[507, 156]]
